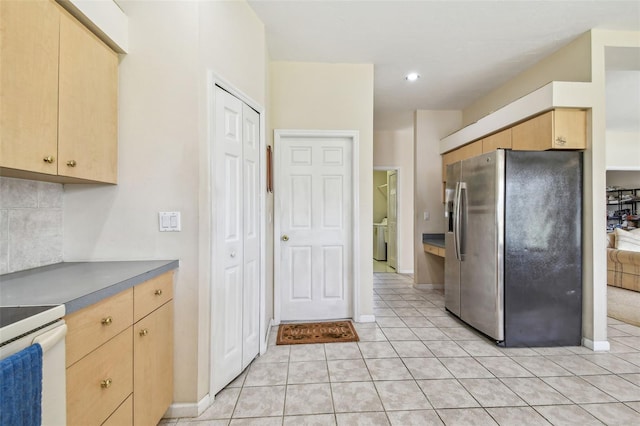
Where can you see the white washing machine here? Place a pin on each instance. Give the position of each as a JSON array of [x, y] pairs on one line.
[[379, 243]]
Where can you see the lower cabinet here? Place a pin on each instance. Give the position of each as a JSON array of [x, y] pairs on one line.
[[123, 415], [152, 353], [99, 382], [124, 379]]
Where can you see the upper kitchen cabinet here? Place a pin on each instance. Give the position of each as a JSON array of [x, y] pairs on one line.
[[459, 154], [58, 97], [29, 46], [556, 129], [88, 109], [500, 140]]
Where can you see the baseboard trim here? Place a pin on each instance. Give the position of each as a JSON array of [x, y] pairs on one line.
[[405, 271], [188, 409], [266, 338], [596, 346], [366, 318], [429, 286]]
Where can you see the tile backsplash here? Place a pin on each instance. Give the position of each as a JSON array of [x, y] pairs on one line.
[[31, 224]]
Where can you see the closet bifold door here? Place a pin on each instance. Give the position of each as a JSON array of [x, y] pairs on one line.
[[235, 316], [251, 221]]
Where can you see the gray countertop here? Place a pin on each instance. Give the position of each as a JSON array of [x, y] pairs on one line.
[[433, 239], [77, 284]]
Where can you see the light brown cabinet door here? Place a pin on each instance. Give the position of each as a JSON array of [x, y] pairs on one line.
[[100, 382], [94, 325], [153, 365], [497, 140], [470, 150], [123, 416], [29, 85], [88, 87], [557, 129]]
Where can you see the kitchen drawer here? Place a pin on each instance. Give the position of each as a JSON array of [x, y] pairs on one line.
[[150, 295], [92, 326], [435, 250], [123, 416], [100, 382]]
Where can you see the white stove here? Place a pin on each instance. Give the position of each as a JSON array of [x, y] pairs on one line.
[[23, 326], [18, 320]]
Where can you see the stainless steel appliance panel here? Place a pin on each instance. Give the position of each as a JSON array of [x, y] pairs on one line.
[[481, 289], [543, 247], [451, 261]]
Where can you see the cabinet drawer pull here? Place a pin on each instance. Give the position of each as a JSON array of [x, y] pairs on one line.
[[144, 332], [71, 163], [107, 321], [158, 292], [49, 159], [106, 383]]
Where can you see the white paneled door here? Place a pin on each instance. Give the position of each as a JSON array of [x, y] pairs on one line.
[[315, 241], [236, 309]]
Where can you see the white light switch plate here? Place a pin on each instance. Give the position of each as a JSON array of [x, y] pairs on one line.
[[426, 215], [169, 221]]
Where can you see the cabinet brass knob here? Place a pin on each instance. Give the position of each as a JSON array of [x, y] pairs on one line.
[[158, 292], [144, 332], [106, 383], [107, 321], [71, 163], [49, 159]]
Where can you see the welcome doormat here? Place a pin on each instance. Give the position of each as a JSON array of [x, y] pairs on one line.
[[316, 332]]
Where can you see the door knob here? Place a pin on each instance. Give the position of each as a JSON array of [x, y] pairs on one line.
[[285, 238]]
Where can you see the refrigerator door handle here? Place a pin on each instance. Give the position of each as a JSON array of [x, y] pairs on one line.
[[456, 221], [462, 208]]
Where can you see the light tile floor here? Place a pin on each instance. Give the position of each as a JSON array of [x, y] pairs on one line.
[[418, 365], [382, 266]]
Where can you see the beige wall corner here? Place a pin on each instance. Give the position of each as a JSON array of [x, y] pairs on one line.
[[319, 96], [430, 127]]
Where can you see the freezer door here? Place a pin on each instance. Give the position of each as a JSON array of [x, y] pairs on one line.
[[543, 248], [481, 274], [451, 262]]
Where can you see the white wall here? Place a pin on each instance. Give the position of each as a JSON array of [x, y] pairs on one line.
[[163, 157], [332, 97], [622, 150], [393, 149], [430, 127]]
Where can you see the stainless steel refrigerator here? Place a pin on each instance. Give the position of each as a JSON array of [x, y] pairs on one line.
[[513, 265]]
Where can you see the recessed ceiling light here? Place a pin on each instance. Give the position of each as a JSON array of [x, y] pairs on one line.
[[412, 76]]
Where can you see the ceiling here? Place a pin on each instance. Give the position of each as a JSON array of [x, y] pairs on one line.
[[462, 49]]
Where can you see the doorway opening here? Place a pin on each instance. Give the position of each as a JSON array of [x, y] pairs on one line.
[[385, 220]]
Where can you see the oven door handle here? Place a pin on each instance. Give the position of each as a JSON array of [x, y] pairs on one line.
[[51, 338]]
